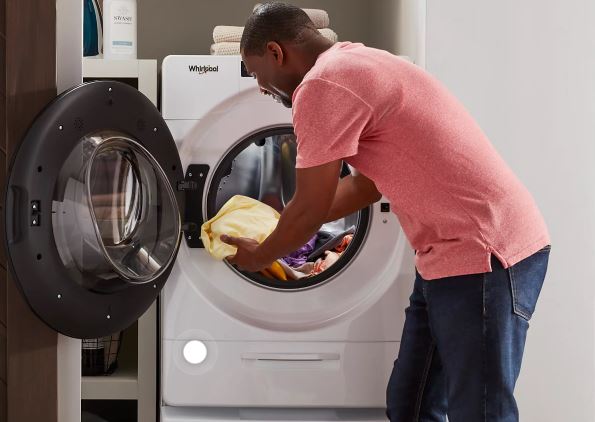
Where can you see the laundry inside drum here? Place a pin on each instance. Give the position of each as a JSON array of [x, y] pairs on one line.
[[262, 167]]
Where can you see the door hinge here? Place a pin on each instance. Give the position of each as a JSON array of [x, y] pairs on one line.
[[190, 227]]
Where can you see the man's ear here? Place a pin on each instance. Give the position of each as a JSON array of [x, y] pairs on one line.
[[275, 49]]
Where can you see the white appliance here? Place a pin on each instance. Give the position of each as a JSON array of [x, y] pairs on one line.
[[522, 71], [324, 345]]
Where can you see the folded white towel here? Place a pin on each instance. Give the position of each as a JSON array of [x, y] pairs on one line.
[[225, 49], [224, 33], [232, 44], [330, 34], [318, 16]]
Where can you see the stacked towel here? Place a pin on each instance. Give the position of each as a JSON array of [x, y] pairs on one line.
[[318, 16], [225, 49], [229, 47], [223, 33], [329, 33], [227, 38]]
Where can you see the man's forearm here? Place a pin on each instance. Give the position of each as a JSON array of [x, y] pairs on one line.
[[295, 228], [300, 221], [351, 196]]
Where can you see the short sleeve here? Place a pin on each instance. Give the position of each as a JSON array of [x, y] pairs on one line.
[[329, 121]]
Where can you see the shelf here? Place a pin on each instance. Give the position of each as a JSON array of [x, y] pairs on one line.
[[99, 67], [121, 385], [138, 350], [143, 71]]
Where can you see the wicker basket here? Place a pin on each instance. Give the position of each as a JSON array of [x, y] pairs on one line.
[[100, 355]]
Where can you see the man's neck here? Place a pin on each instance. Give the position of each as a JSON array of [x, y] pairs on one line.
[[309, 53]]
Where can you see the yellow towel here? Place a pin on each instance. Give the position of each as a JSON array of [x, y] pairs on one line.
[[239, 217], [275, 271]]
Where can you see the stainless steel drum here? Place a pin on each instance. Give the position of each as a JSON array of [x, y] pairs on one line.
[[263, 167]]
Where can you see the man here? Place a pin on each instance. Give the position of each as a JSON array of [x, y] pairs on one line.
[[481, 244]]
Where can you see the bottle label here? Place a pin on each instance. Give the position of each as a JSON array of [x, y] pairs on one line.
[[123, 27]]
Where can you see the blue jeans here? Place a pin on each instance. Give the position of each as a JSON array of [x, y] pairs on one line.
[[463, 343]]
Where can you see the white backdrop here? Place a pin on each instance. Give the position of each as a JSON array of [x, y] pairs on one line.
[[526, 71]]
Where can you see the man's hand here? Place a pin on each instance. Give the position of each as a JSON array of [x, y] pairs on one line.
[[300, 220], [247, 257]]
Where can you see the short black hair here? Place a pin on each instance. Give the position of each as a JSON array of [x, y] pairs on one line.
[[274, 22]]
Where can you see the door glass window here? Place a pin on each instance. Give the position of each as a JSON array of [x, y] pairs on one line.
[[115, 213]]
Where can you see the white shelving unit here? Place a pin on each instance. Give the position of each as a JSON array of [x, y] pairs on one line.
[[136, 375], [144, 72], [122, 385]]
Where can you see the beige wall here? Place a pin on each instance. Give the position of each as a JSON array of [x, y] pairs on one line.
[[186, 26]]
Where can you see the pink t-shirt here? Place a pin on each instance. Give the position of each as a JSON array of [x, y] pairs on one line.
[[456, 199]]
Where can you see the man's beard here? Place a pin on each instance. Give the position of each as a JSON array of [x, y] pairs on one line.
[[285, 101]]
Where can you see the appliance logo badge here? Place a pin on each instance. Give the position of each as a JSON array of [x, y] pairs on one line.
[[201, 70]]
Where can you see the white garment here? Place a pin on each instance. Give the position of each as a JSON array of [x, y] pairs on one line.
[[297, 273]]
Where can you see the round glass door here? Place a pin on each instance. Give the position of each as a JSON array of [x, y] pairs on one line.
[[92, 212], [115, 213]]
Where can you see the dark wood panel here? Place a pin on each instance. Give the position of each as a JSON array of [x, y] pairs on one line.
[[3, 298], [3, 17], [2, 233], [32, 363], [30, 85], [3, 169], [3, 413], [2, 353], [3, 134], [30, 64], [2, 60]]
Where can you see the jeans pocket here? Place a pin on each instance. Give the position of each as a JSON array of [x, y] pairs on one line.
[[526, 280]]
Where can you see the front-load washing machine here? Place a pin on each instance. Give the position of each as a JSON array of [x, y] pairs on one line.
[[104, 201], [316, 348]]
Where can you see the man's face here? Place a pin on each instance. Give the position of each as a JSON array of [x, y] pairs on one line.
[[268, 72]]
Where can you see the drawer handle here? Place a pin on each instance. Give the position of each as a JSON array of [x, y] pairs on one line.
[[291, 357]]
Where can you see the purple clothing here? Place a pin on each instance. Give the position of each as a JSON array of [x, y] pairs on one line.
[[299, 257]]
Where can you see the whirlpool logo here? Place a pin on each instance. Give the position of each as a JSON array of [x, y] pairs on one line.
[[201, 70]]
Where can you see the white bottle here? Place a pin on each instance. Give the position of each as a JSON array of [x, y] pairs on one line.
[[119, 29]]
